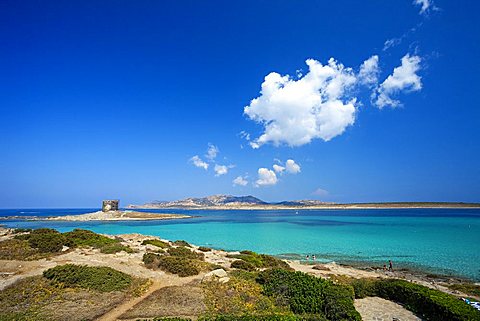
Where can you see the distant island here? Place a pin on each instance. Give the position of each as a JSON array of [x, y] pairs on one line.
[[222, 202]]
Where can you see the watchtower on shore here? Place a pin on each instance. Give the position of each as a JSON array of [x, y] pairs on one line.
[[110, 205]]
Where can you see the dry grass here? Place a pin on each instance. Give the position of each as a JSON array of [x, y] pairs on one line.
[[172, 301]]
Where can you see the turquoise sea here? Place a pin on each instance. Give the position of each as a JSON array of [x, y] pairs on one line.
[[444, 241]]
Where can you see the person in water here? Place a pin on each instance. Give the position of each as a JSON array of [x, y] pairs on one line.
[[390, 265], [313, 257], [384, 267], [308, 257]]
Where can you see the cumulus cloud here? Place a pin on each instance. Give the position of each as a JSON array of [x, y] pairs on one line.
[[278, 169], [240, 181], [292, 167], [220, 170], [296, 111], [198, 162], [369, 71], [266, 177], [212, 152], [425, 5], [403, 78]]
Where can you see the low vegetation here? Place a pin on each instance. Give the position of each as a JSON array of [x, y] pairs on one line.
[[243, 265], [181, 243], [467, 288], [156, 243], [427, 303], [204, 249], [308, 295], [260, 260], [242, 295], [45, 242], [68, 294], [178, 265], [103, 279]]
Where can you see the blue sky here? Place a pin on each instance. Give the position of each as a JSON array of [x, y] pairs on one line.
[[113, 99]]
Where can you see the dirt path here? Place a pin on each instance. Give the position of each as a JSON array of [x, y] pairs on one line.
[[116, 312], [378, 309], [166, 280]]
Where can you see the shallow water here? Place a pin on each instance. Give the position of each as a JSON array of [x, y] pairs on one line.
[[442, 241]]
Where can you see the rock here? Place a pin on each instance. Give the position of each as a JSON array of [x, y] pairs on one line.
[[219, 273], [216, 274], [65, 248], [321, 267], [224, 280]]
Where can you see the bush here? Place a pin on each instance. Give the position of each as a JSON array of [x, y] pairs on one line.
[[86, 238], [151, 260], [181, 243], [306, 294], [204, 249], [185, 253], [156, 243], [178, 265], [47, 240], [103, 279], [364, 287], [243, 265], [261, 260], [429, 303]]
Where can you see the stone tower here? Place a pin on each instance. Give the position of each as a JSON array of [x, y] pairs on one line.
[[110, 205]]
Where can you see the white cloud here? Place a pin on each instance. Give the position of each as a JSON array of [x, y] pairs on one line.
[[404, 78], [317, 105], [220, 170], [240, 181], [278, 169], [266, 177], [198, 162], [320, 192], [292, 167], [212, 152], [426, 5], [369, 71], [243, 134], [390, 43]]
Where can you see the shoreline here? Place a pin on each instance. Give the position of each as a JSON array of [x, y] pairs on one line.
[[131, 263], [313, 207]]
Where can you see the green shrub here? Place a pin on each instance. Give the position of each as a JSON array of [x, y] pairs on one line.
[[47, 240], [156, 243], [261, 260], [103, 279], [181, 243], [178, 265], [185, 253], [364, 287], [86, 238], [306, 294], [243, 265], [204, 249], [429, 303], [151, 260]]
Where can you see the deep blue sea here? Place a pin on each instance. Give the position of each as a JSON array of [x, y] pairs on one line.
[[445, 241]]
